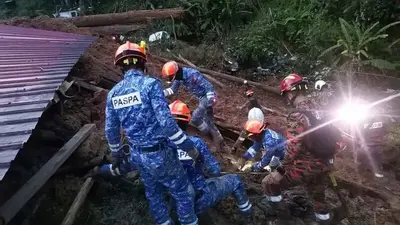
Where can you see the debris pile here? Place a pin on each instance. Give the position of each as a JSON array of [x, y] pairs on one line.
[[374, 203]]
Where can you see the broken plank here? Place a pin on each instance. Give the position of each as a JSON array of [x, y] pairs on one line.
[[21, 197], [78, 202]]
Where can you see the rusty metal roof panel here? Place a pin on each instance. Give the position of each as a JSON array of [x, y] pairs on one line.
[[33, 64]]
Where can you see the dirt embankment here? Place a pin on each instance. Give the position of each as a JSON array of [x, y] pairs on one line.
[[111, 202]]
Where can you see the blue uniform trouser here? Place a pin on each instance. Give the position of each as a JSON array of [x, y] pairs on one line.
[[203, 118], [219, 188], [160, 170]]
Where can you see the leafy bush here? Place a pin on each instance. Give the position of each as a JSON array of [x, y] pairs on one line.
[[216, 17], [292, 28], [355, 43]]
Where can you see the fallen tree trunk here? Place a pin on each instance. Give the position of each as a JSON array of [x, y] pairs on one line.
[[117, 29], [127, 17], [228, 77]]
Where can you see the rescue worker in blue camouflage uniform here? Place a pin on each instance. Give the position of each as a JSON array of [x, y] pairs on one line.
[[137, 105], [212, 190], [194, 82], [272, 142]]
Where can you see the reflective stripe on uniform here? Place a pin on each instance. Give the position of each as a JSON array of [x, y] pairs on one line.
[[176, 136], [322, 216], [114, 147], [252, 151], [193, 223], [210, 94], [170, 91], [165, 223], [245, 207], [180, 140]]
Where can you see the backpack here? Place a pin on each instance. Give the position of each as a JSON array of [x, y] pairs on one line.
[[322, 143]]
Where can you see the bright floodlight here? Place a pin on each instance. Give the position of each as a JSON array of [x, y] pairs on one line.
[[352, 112]]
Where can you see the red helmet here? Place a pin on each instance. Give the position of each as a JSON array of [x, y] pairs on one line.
[[290, 82]]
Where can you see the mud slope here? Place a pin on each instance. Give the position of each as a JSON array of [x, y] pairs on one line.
[[114, 202]]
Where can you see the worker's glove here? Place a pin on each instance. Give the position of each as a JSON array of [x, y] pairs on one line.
[[240, 163], [248, 167], [268, 168]]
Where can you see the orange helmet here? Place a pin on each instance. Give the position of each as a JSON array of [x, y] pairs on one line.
[[290, 82], [129, 53], [254, 127], [170, 69], [180, 110]]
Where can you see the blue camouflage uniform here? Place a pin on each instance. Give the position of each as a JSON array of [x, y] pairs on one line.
[[203, 115], [211, 191], [274, 146], [137, 104]]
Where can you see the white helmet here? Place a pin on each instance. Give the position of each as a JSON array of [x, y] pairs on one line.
[[319, 84], [256, 114]]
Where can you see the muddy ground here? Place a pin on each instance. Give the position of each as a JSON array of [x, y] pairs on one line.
[[116, 202]]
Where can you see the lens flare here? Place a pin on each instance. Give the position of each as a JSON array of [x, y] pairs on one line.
[[352, 112]]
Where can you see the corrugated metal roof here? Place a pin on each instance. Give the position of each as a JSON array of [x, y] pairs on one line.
[[33, 63]]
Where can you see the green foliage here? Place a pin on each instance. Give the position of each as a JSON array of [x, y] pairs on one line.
[[355, 42], [294, 27], [216, 17]]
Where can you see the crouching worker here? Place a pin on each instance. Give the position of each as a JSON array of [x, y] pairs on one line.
[[212, 190], [306, 161], [195, 83], [262, 137], [255, 113]]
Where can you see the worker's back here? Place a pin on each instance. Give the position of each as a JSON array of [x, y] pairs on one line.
[[132, 101]]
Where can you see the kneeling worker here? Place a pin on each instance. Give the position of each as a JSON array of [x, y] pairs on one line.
[[262, 137], [212, 190]]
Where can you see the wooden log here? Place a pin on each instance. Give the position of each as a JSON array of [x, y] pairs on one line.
[[212, 79], [21, 197], [117, 29], [78, 202], [274, 90], [127, 17]]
